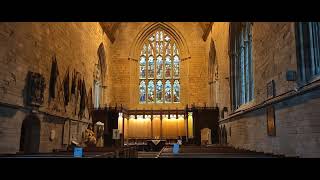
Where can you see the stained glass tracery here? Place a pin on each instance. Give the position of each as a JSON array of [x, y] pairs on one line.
[[167, 95], [142, 67], [151, 91], [159, 98], [151, 67], [176, 91], [142, 92], [159, 68]]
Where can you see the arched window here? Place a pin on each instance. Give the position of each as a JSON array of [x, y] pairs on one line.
[[143, 91], [99, 73], [97, 86], [159, 69], [241, 64], [308, 51], [212, 74]]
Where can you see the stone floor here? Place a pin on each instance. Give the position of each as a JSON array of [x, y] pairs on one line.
[[219, 151]]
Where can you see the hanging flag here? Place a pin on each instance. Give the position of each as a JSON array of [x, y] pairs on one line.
[[66, 89], [89, 100], [53, 78], [73, 83], [82, 98]]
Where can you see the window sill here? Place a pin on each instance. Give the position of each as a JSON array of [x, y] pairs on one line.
[[250, 107], [245, 106], [310, 81]]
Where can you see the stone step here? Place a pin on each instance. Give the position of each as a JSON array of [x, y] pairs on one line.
[[144, 154]]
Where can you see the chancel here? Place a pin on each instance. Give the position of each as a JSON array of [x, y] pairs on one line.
[[139, 89]]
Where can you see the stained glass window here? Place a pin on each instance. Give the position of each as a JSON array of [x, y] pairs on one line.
[[176, 91], [151, 67], [142, 67], [142, 92], [159, 92], [176, 63], [149, 50], [167, 95], [168, 67], [150, 91], [168, 50], [308, 46], [241, 61], [157, 49], [175, 51], [143, 51], [161, 47], [159, 69]]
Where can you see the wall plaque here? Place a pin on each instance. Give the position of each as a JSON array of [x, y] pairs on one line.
[[271, 125], [36, 86]]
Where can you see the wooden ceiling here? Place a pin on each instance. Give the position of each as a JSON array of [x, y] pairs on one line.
[[110, 29]]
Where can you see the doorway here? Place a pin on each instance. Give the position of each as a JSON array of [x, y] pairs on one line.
[[30, 135]]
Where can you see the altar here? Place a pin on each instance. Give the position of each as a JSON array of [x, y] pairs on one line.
[[152, 129]]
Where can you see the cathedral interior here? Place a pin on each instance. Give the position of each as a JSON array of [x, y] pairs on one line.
[[160, 89]]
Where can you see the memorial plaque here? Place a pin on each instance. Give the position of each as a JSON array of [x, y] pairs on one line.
[[271, 125]]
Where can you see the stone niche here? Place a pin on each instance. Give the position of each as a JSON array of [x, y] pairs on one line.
[[35, 89]]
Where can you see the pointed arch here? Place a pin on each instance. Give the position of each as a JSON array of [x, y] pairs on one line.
[[159, 62], [102, 58], [99, 76], [150, 28]]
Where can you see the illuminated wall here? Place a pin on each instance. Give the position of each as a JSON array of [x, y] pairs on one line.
[[190, 125], [142, 128], [172, 128]]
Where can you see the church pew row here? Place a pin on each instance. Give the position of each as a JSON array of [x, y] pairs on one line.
[[214, 152], [88, 152]]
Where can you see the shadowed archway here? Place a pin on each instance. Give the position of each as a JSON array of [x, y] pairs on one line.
[[30, 135]]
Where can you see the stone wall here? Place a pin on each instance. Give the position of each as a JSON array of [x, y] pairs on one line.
[[296, 119], [297, 128], [30, 47], [220, 35]]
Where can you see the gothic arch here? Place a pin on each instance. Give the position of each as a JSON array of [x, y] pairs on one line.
[[102, 59], [30, 134], [212, 74], [99, 77], [151, 27]]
